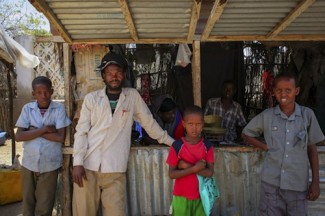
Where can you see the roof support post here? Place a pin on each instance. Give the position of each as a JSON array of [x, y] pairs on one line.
[[196, 72], [67, 198]]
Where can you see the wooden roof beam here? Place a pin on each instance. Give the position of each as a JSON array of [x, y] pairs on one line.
[[294, 14], [129, 19], [216, 12], [125, 41], [196, 9], [43, 7], [264, 38]]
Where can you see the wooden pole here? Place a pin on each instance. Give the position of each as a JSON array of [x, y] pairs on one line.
[[196, 73], [66, 184], [10, 68]]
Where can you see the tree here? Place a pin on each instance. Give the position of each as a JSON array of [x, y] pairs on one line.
[[17, 19]]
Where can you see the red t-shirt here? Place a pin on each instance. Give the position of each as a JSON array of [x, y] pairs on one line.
[[188, 186]]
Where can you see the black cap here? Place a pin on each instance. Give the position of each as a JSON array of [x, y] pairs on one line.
[[112, 58]]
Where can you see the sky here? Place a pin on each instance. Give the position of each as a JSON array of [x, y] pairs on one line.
[[28, 7]]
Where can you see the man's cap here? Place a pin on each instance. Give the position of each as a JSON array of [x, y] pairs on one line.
[[112, 58]]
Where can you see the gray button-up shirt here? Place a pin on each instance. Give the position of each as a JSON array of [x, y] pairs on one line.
[[286, 161]]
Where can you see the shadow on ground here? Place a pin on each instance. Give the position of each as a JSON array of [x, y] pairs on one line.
[[12, 209]]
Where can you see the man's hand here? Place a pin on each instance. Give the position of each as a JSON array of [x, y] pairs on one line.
[[313, 191], [78, 173]]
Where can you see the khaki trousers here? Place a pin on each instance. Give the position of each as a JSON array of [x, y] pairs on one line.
[[109, 189], [38, 192]]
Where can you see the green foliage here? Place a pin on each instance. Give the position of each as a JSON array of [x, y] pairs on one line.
[[16, 19]]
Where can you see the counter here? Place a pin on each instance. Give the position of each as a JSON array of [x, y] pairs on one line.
[[237, 171]]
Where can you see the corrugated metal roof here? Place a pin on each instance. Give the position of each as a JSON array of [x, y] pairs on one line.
[[152, 21]]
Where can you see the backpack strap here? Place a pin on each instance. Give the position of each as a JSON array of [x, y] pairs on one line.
[[207, 144], [177, 145]]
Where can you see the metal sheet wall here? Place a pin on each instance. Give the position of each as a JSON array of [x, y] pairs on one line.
[[237, 170]]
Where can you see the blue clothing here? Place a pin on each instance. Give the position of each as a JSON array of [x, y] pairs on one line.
[[42, 155], [286, 162]]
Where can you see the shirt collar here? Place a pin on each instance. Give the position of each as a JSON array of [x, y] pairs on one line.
[[102, 93], [297, 112], [51, 106]]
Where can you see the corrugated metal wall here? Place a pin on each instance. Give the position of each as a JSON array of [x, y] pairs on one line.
[[237, 170]]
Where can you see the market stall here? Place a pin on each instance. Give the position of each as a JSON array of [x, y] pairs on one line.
[[88, 24]]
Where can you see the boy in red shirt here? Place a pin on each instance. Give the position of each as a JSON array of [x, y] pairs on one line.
[[194, 156]]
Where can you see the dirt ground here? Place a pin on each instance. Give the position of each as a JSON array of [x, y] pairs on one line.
[[5, 152], [12, 209]]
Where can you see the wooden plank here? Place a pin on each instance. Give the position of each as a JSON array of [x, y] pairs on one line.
[[88, 11], [128, 19], [10, 69], [67, 200], [88, 4], [67, 150], [264, 38], [294, 14], [196, 73], [125, 41], [158, 4], [216, 12], [196, 8], [55, 39], [43, 7], [67, 86]]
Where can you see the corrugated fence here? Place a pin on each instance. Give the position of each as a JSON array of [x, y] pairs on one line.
[[237, 170]]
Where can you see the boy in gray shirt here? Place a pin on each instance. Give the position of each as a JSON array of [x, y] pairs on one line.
[[291, 133]]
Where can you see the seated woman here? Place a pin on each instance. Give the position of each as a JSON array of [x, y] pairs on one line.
[[168, 116]]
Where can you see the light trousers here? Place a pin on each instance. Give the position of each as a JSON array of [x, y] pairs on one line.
[[109, 189]]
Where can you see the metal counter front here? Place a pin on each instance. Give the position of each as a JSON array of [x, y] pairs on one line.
[[237, 171]]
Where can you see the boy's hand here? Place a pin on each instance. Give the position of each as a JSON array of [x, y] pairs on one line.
[[313, 191], [50, 129], [78, 173], [183, 165], [200, 165]]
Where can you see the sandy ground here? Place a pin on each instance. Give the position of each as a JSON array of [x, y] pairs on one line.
[[5, 152], [12, 209]]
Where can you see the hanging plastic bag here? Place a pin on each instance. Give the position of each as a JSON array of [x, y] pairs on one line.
[[183, 55], [17, 52], [2, 137], [209, 192]]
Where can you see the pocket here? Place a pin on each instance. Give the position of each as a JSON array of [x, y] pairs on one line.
[[124, 114], [301, 139], [263, 208], [301, 135], [274, 128], [275, 133], [297, 204], [268, 197]]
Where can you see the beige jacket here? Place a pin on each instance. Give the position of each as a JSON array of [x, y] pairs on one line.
[[102, 141]]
